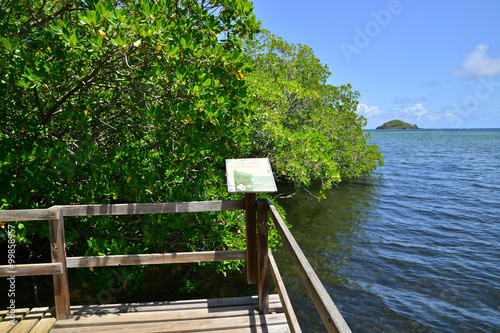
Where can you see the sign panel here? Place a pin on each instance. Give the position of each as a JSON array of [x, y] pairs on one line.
[[250, 175]]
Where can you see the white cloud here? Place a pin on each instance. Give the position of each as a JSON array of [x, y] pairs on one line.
[[477, 64], [419, 114], [416, 110], [369, 111]]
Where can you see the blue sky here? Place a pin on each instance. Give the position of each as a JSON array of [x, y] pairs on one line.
[[431, 63]]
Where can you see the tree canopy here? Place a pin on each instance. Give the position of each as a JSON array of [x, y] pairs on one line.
[[308, 128], [142, 101], [123, 101]]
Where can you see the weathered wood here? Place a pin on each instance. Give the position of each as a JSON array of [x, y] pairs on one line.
[[3, 313], [151, 208], [293, 323], [251, 237], [28, 215], [237, 314], [45, 324], [6, 323], [31, 269], [58, 254], [173, 311], [329, 313], [155, 258], [30, 320], [263, 249], [79, 311], [247, 323]]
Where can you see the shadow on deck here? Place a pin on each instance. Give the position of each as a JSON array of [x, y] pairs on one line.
[[262, 313], [238, 314]]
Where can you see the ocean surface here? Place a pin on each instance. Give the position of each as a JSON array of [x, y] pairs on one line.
[[414, 247]]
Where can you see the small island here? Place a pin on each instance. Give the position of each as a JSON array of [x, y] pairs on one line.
[[397, 124]]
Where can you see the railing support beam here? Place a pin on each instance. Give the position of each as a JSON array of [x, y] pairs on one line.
[[58, 254], [251, 237], [263, 253]]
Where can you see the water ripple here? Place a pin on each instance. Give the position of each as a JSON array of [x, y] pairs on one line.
[[416, 246]]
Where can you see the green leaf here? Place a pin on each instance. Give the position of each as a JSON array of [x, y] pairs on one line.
[[6, 43], [207, 82]]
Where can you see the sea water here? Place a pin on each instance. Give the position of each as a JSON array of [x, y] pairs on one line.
[[415, 246]]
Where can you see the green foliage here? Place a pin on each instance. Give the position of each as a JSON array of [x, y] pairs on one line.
[[124, 101], [308, 128], [142, 101]]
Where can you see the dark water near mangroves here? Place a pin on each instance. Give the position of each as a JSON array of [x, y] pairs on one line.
[[415, 247]]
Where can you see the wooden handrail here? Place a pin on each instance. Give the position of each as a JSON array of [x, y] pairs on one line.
[[60, 263], [155, 258], [332, 318], [120, 209], [329, 313], [293, 323], [31, 269], [28, 215], [151, 208]]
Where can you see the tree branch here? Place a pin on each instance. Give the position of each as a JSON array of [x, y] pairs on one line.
[[39, 105], [46, 19], [48, 116]]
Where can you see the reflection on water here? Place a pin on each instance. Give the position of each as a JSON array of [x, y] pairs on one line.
[[415, 247], [331, 233]]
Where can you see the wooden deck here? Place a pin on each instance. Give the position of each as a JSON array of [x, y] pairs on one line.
[[262, 313], [237, 314], [36, 320]]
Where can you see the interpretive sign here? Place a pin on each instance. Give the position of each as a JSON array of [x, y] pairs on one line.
[[250, 175]]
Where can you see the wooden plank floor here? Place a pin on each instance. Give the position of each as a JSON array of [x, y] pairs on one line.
[[237, 314], [37, 320]]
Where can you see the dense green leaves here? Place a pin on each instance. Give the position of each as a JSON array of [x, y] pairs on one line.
[[142, 101], [123, 101], [308, 128]]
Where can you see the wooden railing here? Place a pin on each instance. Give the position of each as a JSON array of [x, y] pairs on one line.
[[259, 259]]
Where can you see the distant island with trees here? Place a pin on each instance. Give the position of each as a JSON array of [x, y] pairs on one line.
[[397, 124]]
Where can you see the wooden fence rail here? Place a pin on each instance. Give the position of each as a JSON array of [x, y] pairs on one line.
[[257, 255], [333, 320]]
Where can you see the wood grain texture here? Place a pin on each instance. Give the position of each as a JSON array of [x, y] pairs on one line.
[[263, 249], [58, 254], [333, 320], [151, 208], [30, 320], [28, 215], [291, 318], [251, 237], [46, 323], [31, 269], [155, 258], [237, 314]]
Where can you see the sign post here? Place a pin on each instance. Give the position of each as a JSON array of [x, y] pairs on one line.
[[251, 176]]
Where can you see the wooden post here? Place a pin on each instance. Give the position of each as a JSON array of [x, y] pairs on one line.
[[251, 236], [58, 253], [263, 253]]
